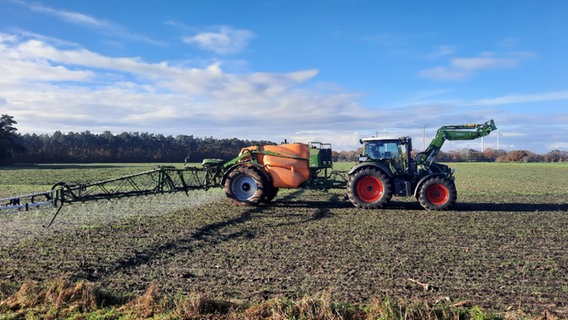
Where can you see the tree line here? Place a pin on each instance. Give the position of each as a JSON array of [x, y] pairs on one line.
[[106, 147], [125, 147], [85, 147], [471, 155]]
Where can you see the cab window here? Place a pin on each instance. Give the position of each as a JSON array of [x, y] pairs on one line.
[[382, 150]]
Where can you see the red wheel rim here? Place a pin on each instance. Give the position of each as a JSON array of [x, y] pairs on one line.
[[437, 194], [369, 189]]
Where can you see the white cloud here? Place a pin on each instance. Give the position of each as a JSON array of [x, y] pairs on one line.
[[444, 73], [442, 51], [464, 68], [103, 26], [479, 63], [73, 17], [508, 42], [522, 98], [223, 40]]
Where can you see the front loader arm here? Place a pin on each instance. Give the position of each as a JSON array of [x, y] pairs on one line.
[[453, 132]]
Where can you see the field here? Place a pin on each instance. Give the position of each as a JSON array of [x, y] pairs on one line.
[[503, 248]]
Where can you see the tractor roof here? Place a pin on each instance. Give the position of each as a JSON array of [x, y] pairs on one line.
[[383, 138]]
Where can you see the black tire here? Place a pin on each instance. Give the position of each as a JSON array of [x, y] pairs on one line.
[[246, 185], [369, 188], [438, 193], [270, 193]]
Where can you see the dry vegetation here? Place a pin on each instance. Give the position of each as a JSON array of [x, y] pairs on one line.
[[308, 255]]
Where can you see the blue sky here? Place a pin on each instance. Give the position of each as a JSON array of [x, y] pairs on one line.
[[325, 70]]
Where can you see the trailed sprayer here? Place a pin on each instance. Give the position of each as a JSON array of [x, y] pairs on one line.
[[386, 167]]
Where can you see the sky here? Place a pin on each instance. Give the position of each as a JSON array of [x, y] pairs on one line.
[[301, 70]]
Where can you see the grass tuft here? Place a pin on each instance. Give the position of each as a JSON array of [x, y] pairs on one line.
[[318, 306], [62, 298], [59, 297]]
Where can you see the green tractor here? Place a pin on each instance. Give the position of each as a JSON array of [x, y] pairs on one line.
[[387, 167]]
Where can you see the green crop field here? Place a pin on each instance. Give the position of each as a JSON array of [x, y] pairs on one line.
[[503, 247]]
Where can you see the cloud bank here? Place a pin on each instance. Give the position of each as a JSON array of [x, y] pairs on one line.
[[51, 85], [74, 89]]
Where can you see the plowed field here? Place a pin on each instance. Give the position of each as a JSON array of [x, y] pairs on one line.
[[502, 248]]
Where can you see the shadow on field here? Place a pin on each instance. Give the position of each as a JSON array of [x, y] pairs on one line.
[[208, 234], [512, 207], [336, 203], [333, 203], [211, 234], [323, 207]]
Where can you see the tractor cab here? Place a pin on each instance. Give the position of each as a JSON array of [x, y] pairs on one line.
[[393, 152]]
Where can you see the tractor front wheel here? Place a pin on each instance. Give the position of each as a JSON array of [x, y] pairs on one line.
[[245, 185], [438, 193], [369, 189]]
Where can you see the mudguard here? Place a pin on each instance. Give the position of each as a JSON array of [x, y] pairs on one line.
[[421, 181], [256, 165], [378, 165]]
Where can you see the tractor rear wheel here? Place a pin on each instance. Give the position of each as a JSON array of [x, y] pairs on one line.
[[369, 189], [438, 193], [246, 185]]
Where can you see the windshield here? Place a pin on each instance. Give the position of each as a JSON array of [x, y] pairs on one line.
[[381, 149]]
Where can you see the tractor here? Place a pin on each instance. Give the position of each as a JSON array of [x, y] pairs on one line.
[[387, 167]]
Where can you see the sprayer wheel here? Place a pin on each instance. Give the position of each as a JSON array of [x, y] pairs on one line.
[[245, 185]]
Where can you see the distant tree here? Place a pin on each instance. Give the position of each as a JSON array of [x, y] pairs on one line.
[[443, 157], [493, 154], [8, 138], [523, 156], [556, 156], [346, 156], [516, 155], [490, 154]]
